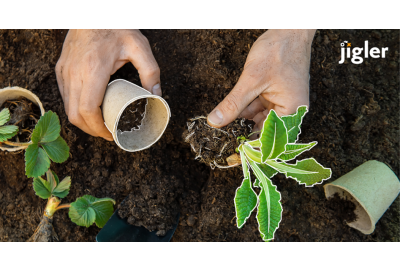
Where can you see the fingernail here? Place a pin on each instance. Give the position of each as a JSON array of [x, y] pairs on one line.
[[215, 117], [157, 89]]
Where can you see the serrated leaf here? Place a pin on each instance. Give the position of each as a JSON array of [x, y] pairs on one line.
[[306, 171], [267, 170], [62, 188], [51, 180], [57, 150], [294, 150], [41, 188], [5, 137], [268, 222], [87, 209], [293, 123], [55, 177], [47, 128], [256, 183], [4, 116], [273, 137], [245, 202], [8, 129], [36, 161], [269, 212]]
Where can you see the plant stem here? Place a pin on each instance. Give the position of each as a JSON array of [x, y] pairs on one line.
[[251, 153], [51, 207], [17, 144], [63, 206]]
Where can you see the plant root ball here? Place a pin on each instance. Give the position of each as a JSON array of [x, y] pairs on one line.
[[44, 232], [213, 145]]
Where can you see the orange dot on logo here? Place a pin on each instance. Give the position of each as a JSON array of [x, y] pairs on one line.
[[348, 44]]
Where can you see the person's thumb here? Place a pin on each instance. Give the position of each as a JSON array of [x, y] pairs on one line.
[[233, 104]]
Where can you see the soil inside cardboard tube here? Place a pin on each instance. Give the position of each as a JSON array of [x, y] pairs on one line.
[[131, 118], [344, 208], [198, 69], [24, 114]]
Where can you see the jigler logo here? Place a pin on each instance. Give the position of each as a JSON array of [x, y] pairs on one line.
[[356, 53]]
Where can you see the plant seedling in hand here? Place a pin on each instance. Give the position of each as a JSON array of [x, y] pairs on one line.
[[85, 211], [268, 156]]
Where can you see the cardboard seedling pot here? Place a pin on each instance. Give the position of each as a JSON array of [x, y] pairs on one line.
[[119, 95], [13, 93], [372, 187]]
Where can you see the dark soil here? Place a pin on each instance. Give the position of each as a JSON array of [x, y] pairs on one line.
[[24, 114], [213, 145], [198, 69], [132, 117], [343, 208]]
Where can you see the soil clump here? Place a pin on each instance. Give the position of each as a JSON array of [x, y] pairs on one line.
[[213, 145], [133, 115], [24, 114]]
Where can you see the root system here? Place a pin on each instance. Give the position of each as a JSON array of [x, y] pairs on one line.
[[44, 232], [213, 145]]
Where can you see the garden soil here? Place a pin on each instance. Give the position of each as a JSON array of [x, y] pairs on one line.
[[354, 116]]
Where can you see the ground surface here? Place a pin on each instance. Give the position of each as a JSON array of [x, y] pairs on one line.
[[198, 69]]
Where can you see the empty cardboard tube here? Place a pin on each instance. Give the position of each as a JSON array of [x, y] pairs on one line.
[[13, 93], [372, 187], [119, 95]]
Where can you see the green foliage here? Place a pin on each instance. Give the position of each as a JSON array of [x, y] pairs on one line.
[[87, 210], [9, 131], [51, 187], [277, 146], [47, 145]]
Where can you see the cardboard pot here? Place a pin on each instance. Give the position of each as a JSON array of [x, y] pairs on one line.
[[372, 187], [119, 95], [13, 93]]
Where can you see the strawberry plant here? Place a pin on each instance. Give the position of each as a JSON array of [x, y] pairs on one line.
[[266, 157], [46, 143], [85, 211]]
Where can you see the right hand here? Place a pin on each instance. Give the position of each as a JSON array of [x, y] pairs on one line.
[[88, 59]]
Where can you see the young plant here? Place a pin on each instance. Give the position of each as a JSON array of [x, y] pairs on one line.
[[46, 143], [6, 131], [267, 156], [85, 211]]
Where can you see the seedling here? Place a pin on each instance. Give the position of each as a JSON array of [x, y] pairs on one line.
[[85, 211], [267, 156], [46, 143]]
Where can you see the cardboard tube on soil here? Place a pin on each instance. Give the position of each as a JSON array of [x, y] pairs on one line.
[[119, 95], [372, 187], [13, 93]]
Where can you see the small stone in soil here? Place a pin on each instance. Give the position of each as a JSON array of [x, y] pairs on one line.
[[131, 118]]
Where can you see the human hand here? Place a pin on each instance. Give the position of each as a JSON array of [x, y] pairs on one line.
[[88, 59], [275, 76]]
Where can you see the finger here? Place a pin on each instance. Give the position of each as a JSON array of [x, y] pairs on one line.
[[255, 107], [91, 98], [259, 119], [141, 56], [234, 103]]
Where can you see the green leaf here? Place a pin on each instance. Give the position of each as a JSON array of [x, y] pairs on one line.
[[245, 202], [8, 129], [293, 150], [273, 137], [256, 183], [269, 212], [36, 161], [51, 180], [7, 134], [307, 171], [62, 189], [87, 209], [255, 143], [293, 123], [267, 170], [56, 177], [47, 128], [4, 116], [57, 150], [41, 188]]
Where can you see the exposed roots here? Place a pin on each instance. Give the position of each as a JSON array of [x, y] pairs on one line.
[[44, 232]]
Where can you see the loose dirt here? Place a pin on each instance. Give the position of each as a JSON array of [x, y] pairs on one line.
[[198, 69], [132, 117]]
